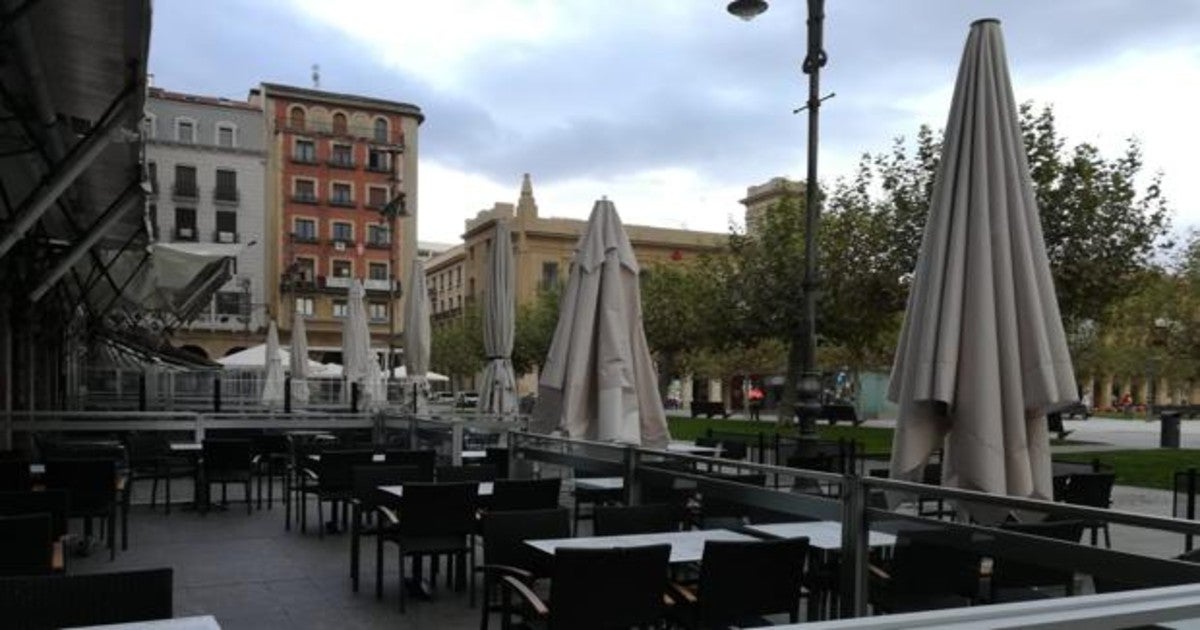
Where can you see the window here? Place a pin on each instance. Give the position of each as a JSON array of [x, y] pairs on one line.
[[305, 151], [232, 303], [305, 230], [458, 277], [377, 311], [339, 308], [153, 217], [381, 130], [226, 189], [226, 227], [339, 123], [185, 182], [376, 196], [343, 232], [378, 235], [377, 160], [296, 118], [149, 124], [341, 195], [306, 269], [342, 155], [304, 306], [185, 130], [304, 191], [226, 135], [377, 271], [342, 269], [152, 177], [549, 274], [185, 224]]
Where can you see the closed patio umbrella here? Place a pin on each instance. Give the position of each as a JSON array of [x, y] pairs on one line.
[[272, 393], [498, 393], [598, 381], [299, 362], [982, 356], [359, 363], [417, 336]]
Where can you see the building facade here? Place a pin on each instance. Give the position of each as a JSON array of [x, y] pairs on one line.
[[762, 197], [205, 160], [335, 162]]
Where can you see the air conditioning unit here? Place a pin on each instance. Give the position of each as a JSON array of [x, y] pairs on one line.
[[225, 237], [340, 246]]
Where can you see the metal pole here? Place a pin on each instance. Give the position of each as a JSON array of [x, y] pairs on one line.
[[1191, 504], [809, 403]]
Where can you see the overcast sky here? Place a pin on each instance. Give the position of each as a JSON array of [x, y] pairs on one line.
[[672, 108]]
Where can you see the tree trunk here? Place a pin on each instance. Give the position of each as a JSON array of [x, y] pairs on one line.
[[666, 371], [787, 403]]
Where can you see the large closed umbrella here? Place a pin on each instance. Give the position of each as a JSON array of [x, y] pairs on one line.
[[598, 381], [498, 393], [417, 336], [359, 364], [299, 358], [982, 356], [272, 393]]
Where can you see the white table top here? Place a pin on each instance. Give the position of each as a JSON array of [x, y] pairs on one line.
[[600, 483], [186, 446], [690, 447], [825, 535], [685, 546], [377, 457], [485, 489], [204, 622], [474, 454], [37, 469]]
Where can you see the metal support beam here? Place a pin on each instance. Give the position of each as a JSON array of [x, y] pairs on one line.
[[114, 213], [63, 175]]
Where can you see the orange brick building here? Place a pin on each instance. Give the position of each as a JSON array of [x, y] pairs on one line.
[[334, 161]]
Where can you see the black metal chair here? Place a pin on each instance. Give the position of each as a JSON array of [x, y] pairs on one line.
[[742, 582], [1017, 580], [595, 497], [91, 485], [716, 511], [474, 472], [51, 502], [525, 494], [366, 497], [59, 601], [14, 474], [424, 459], [497, 456], [226, 461], [26, 544], [929, 569], [329, 480], [433, 520], [271, 456], [506, 554], [622, 587], [617, 520], [147, 453], [1092, 490]]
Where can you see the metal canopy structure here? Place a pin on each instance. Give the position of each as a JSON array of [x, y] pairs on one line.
[[75, 257]]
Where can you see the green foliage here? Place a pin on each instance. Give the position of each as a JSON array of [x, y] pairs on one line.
[[1150, 468], [456, 345], [534, 330]]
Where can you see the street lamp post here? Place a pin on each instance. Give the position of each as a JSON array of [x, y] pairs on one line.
[[808, 407], [395, 208]]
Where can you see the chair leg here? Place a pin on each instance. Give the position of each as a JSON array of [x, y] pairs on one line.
[[112, 533], [125, 500], [400, 555], [1094, 532], [287, 501], [270, 486], [355, 525], [320, 519], [249, 502], [167, 483], [153, 491], [1107, 539], [379, 567]]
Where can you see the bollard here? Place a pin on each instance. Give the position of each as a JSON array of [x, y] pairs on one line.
[[287, 394], [1169, 436]]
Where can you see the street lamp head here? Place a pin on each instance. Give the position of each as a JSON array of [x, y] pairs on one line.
[[747, 9]]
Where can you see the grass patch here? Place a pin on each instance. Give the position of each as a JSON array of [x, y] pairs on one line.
[[873, 439], [1148, 468]]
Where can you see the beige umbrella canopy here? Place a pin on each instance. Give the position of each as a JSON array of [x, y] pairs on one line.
[[417, 336], [272, 393], [982, 356], [299, 359], [498, 394], [598, 381]]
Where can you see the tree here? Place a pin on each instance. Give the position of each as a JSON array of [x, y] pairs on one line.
[[456, 345], [674, 298], [535, 325]]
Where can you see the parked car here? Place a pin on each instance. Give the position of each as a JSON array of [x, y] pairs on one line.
[[467, 400], [445, 398]]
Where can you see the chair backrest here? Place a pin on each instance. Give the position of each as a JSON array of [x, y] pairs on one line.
[[90, 483], [608, 588], [617, 520], [52, 502], [497, 456], [714, 507], [1014, 573], [474, 472], [740, 580], [438, 509], [525, 494], [733, 449], [143, 448], [14, 475], [423, 459], [26, 547], [935, 562], [365, 480], [505, 533], [333, 471], [1090, 489], [271, 444], [57, 601], [228, 454]]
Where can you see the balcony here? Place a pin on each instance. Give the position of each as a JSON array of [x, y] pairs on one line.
[[304, 238], [304, 158], [342, 244], [378, 167], [185, 190], [362, 133], [342, 202], [378, 244], [338, 282], [376, 284], [345, 162], [222, 236], [304, 197], [184, 233], [153, 181], [225, 195]]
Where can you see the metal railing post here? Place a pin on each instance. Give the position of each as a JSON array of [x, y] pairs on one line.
[[456, 443], [1191, 505], [287, 394], [142, 391], [513, 442], [217, 393], [412, 432], [199, 431], [633, 490], [854, 548]]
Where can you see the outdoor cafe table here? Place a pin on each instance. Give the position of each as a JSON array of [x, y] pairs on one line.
[[377, 457], [203, 622], [692, 448], [485, 489], [824, 535], [685, 546]]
